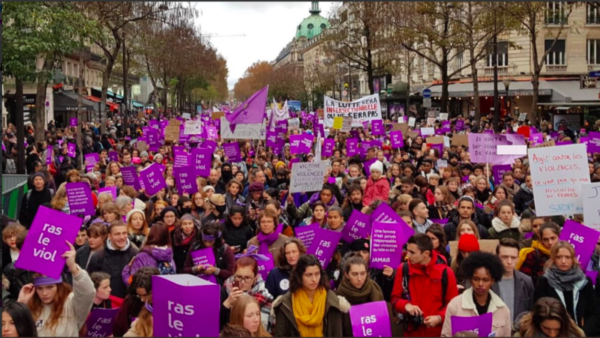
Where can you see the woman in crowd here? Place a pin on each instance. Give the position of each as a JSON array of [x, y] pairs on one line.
[[198, 206], [531, 227], [157, 209], [137, 227], [565, 280], [420, 215], [59, 201], [309, 309], [10, 251], [245, 312], [58, 309], [524, 195], [532, 261], [467, 227], [269, 238], [326, 195], [438, 237], [183, 238], [143, 325], [482, 190], [278, 280], [234, 194], [482, 270], [125, 204], [444, 203], [224, 257], [170, 218], [110, 212], [548, 318], [216, 209], [505, 223], [137, 294], [467, 244], [497, 196], [237, 232], [17, 321], [97, 234], [318, 215]]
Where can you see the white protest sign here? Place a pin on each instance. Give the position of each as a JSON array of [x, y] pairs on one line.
[[522, 117], [412, 121], [558, 174], [347, 124], [253, 131], [367, 108], [307, 177], [511, 150], [591, 205], [427, 131], [186, 116], [293, 123], [443, 116], [431, 121], [193, 127]]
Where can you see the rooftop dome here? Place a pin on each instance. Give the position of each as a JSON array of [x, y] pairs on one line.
[[313, 25]]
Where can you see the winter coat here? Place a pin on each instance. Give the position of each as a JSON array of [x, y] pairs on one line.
[[237, 236], [260, 294], [113, 262], [75, 311], [278, 282], [464, 306], [285, 321], [17, 277], [379, 190], [522, 199], [500, 230], [149, 256], [29, 210], [534, 265], [425, 287], [82, 257], [224, 261], [523, 294]]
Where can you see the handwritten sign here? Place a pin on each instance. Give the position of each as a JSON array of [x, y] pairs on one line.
[[253, 131], [558, 173], [193, 128], [307, 177], [591, 205]]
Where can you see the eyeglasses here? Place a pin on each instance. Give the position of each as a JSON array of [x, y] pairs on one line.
[[243, 279]]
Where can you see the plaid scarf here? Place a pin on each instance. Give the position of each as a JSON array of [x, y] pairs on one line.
[[444, 207], [262, 296]]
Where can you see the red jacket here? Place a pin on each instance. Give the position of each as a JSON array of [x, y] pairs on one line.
[[379, 190], [425, 285]]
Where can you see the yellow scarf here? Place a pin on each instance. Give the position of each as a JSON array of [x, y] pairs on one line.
[[525, 251], [309, 316]]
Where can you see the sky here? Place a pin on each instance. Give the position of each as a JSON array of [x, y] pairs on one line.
[[268, 26]]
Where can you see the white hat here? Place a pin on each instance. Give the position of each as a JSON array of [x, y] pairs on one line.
[[133, 211], [377, 166], [209, 187]]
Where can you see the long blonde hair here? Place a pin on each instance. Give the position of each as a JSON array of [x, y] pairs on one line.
[[554, 252], [60, 198], [238, 312], [144, 322], [548, 308]]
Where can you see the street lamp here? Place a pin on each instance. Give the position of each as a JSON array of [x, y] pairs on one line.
[[506, 81]]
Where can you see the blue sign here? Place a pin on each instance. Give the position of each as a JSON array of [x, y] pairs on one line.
[[595, 73], [427, 93]]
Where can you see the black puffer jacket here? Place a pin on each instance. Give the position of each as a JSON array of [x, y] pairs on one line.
[[522, 199], [113, 262], [452, 225]]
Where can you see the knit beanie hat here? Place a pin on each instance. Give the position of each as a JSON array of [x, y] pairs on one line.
[[133, 211], [38, 174], [256, 186], [468, 243], [360, 245], [167, 209], [377, 166]]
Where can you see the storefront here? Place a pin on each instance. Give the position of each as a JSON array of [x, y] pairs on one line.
[[66, 106]]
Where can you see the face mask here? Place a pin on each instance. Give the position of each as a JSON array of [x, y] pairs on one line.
[[221, 208]]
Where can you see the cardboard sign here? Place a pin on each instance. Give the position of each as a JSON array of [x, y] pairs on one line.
[[435, 140], [357, 227], [141, 146], [217, 115], [558, 174], [582, 238], [370, 320], [324, 245], [79, 195], [172, 131], [460, 140], [152, 179], [307, 177], [485, 245], [100, 322], [185, 306], [45, 243], [591, 205], [347, 124]]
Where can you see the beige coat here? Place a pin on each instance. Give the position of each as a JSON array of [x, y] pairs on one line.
[[464, 306]]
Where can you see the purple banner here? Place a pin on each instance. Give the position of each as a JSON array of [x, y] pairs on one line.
[[351, 147], [377, 127], [186, 180], [593, 145], [264, 267], [210, 145], [181, 159], [211, 133], [306, 233], [73, 122], [358, 226], [387, 240], [481, 325], [205, 257], [110, 190], [130, 177], [499, 170], [397, 139], [79, 196], [537, 138], [45, 243], [201, 159], [460, 124], [328, 147], [100, 322], [370, 320], [152, 179], [324, 245], [582, 238], [91, 159], [271, 138], [439, 147], [185, 306], [48, 155], [232, 151]]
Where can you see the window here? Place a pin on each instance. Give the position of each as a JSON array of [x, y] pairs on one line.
[[459, 60], [501, 56], [555, 13], [593, 13], [311, 26], [593, 54], [557, 55], [323, 26]]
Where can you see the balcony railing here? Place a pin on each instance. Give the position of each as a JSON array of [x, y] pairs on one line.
[[593, 67], [593, 20], [502, 70], [556, 68]]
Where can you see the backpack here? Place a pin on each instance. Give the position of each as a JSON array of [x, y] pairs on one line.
[[165, 268]]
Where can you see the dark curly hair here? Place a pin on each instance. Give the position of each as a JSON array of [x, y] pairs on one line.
[[480, 259], [304, 262]]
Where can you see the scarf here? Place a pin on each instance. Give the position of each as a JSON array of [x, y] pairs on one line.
[[525, 251], [259, 292], [526, 189], [267, 240], [443, 207], [317, 197], [370, 292], [499, 226], [309, 316], [180, 239], [563, 280], [511, 190]]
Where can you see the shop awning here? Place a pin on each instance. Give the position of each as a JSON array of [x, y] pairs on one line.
[[111, 105], [68, 101], [571, 92], [516, 88], [137, 104]]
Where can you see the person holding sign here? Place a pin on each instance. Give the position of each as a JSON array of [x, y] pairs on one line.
[[549, 318], [310, 308], [47, 295], [565, 280], [482, 269]]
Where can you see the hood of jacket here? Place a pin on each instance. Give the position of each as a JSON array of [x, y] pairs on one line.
[[160, 254], [110, 246], [499, 226]]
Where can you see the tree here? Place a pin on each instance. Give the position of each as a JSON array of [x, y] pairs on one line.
[[37, 37], [256, 77]]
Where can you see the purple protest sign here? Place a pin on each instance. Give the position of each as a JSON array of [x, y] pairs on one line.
[[48, 155], [593, 145], [296, 146], [384, 213], [481, 325], [582, 238], [460, 124], [446, 124], [45, 243], [367, 166], [110, 190], [386, 245], [204, 257], [306, 142], [370, 320], [186, 180], [201, 160], [185, 306], [100, 322], [79, 196], [537, 138], [439, 147], [593, 275], [351, 147], [264, 267], [355, 134], [71, 149], [306, 234], [73, 122], [232, 151], [130, 177], [181, 159], [91, 159], [499, 170], [377, 127], [397, 139], [358, 226], [152, 179], [328, 146], [564, 143], [271, 138], [211, 133], [113, 156], [210, 145], [324, 245]]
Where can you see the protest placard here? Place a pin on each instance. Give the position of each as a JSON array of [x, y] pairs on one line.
[[481, 325], [253, 131], [111, 190], [582, 238], [100, 322], [172, 131], [351, 146], [79, 196], [591, 205], [307, 233], [370, 320], [204, 257], [324, 245], [152, 179], [397, 139], [347, 124], [338, 122], [130, 177], [498, 171], [377, 128], [264, 267], [444, 117], [460, 140], [185, 306], [232, 151], [307, 177], [412, 121], [193, 127], [328, 146], [358, 226], [45, 243], [387, 240], [73, 122], [202, 161], [294, 124], [185, 180], [367, 108], [557, 174]]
